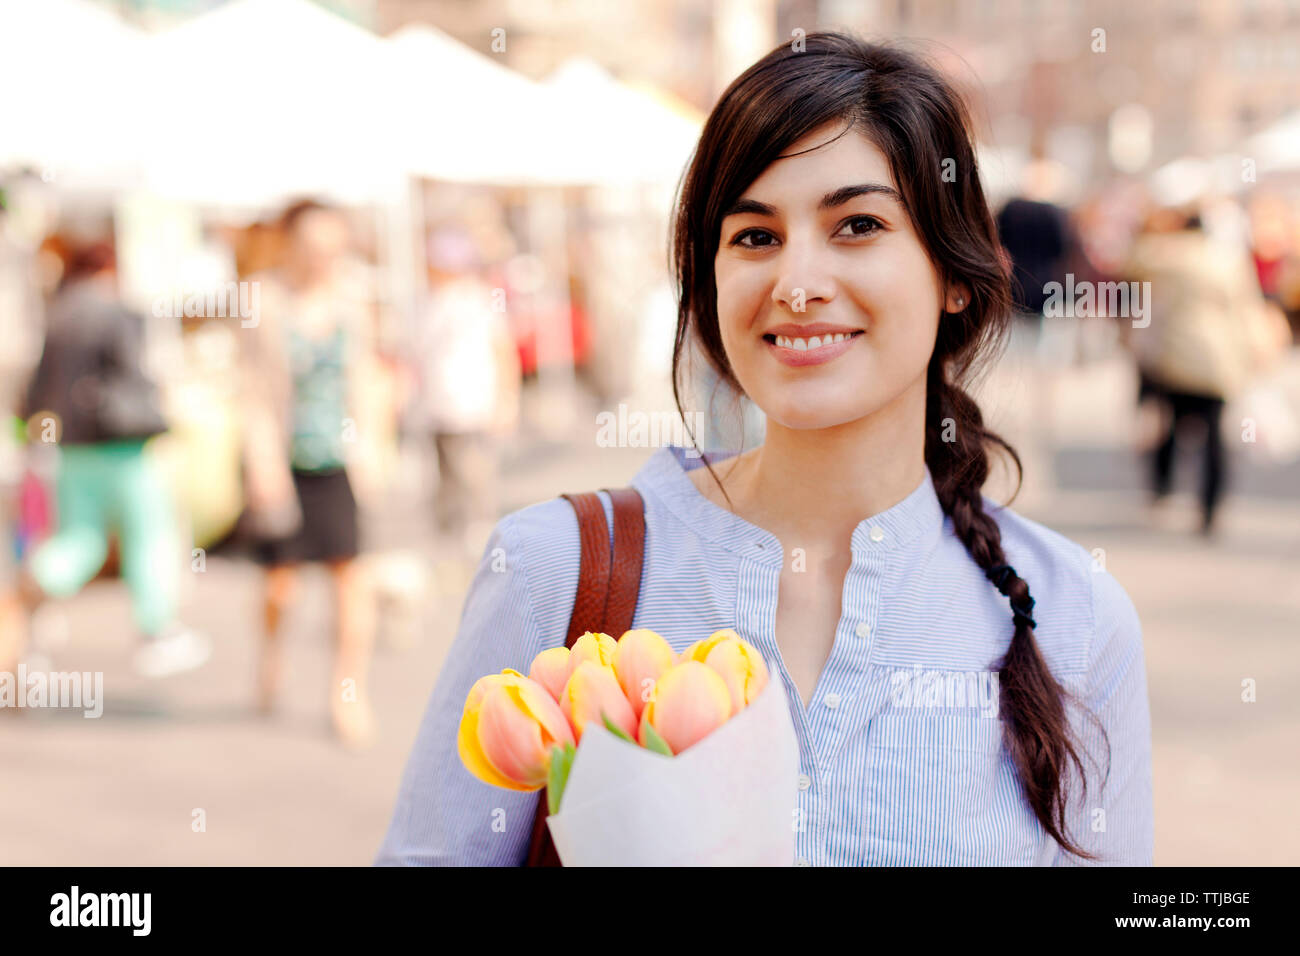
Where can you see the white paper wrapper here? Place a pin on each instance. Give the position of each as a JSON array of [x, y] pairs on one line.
[[727, 801]]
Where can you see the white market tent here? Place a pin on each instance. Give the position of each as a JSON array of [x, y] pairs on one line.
[[464, 118], [68, 70], [467, 118], [619, 133], [258, 101]]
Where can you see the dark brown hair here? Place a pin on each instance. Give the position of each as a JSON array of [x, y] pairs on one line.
[[915, 118], [296, 210], [87, 258]]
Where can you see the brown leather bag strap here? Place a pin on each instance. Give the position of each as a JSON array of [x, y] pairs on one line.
[[609, 585], [593, 566], [625, 566]]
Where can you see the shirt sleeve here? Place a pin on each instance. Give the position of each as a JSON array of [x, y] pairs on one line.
[[1115, 821], [445, 816]]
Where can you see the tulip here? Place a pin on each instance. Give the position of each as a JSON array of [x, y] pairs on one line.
[[641, 658], [593, 694], [690, 702], [593, 646], [699, 651], [551, 670], [507, 730], [741, 667]]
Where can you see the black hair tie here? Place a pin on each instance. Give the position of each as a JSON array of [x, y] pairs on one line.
[[999, 575], [1023, 610]]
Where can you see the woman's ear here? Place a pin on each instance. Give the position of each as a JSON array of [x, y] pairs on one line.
[[958, 297]]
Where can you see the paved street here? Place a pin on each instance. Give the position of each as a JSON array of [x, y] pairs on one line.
[[123, 789]]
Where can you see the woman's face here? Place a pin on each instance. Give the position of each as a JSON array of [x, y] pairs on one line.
[[820, 246], [319, 239]]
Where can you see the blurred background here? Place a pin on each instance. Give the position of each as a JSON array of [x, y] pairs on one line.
[[450, 221]]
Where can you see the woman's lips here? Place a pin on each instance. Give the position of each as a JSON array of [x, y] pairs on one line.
[[823, 353]]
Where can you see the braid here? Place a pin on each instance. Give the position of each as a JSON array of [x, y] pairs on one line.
[[1032, 700]]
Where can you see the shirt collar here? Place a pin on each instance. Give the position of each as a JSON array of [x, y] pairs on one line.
[[916, 517]]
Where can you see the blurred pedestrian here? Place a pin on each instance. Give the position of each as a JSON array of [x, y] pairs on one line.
[[91, 396], [305, 363], [1036, 233], [1203, 344], [469, 373]]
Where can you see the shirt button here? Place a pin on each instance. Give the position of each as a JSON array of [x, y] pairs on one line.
[[877, 533], [863, 629], [804, 781], [831, 700], [802, 862]]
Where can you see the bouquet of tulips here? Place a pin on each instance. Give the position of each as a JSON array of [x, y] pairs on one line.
[[596, 725]]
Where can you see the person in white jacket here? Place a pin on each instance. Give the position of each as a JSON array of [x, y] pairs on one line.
[[1205, 341]]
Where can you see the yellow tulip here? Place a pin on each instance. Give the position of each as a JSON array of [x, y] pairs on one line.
[[690, 702], [699, 651], [741, 667], [595, 647], [551, 669], [640, 659], [508, 727], [591, 694]]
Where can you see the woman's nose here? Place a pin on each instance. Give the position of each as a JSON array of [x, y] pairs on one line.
[[802, 276]]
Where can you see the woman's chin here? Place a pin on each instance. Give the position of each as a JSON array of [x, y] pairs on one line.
[[811, 415]]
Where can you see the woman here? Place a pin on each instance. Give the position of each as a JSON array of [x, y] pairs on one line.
[[854, 546], [304, 381]]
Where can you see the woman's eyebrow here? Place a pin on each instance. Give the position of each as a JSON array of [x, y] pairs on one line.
[[743, 206], [832, 199], [845, 193]]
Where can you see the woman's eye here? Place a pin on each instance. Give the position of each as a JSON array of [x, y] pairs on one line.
[[862, 225], [757, 234]]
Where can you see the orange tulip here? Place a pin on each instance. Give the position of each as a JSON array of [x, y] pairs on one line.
[[592, 694], [507, 730], [640, 659], [690, 702], [551, 670]]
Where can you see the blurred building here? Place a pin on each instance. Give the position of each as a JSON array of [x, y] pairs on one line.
[[1206, 74]]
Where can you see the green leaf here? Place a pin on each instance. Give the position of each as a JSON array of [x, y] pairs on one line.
[[614, 729], [654, 742], [561, 763]]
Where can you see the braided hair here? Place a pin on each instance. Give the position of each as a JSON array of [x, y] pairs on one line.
[[922, 126]]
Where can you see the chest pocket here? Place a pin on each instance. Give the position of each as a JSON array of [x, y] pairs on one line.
[[940, 789]]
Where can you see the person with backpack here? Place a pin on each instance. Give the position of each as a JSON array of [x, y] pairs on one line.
[[91, 396]]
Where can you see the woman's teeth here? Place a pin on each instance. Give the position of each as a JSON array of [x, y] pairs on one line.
[[803, 345]]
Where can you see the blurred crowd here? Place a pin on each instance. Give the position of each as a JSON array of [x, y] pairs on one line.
[[1201, 290], [257, 410], [264, 435]]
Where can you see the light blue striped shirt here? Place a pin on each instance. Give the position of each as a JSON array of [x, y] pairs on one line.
[[901, 754]]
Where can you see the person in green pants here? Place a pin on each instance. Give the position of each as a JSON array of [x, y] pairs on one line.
[[105, 486], [90, 396]]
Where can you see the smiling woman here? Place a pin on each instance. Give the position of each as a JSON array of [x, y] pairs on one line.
[[831, 271]]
